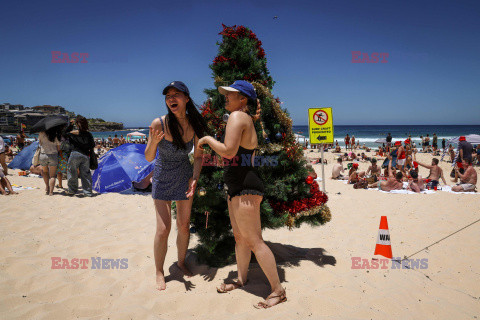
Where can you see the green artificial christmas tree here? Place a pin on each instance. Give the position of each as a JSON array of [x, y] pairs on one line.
[[292, 196]]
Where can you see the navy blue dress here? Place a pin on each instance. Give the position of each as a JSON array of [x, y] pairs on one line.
[[172, 171]]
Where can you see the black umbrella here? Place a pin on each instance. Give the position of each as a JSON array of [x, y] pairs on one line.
[[48, 123]]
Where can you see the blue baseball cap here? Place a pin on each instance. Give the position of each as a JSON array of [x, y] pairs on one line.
[[242, 86], [179, 85]]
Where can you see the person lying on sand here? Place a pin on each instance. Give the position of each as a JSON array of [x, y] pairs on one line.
[[394, 182], [468, 180], [416, 184]]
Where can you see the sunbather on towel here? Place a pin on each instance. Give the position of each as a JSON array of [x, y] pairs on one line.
[[416, 185], [394, 181], [468, 180]]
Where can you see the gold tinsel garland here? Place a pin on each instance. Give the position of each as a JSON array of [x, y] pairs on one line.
[[294, 150], [324, 212]]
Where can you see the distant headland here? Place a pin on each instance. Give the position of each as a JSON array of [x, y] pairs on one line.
[[13, 116]]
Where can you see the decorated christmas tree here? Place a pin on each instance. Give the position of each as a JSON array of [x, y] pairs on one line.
[[292, 196]]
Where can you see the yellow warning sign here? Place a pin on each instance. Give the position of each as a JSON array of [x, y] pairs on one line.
[[320, 124]]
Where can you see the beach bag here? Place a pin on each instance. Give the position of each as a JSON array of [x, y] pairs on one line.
[[93, 160], [36, 157]]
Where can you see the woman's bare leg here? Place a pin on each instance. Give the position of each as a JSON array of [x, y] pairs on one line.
[[243, 253], [59, 178], [52, 170], [46, 179], [184, 208], [160, 242], [247, 216]]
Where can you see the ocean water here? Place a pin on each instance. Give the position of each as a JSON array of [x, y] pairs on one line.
[[369, 133]]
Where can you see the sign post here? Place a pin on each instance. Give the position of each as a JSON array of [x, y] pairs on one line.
[[320, 127]]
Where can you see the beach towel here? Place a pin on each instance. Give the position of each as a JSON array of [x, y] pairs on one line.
[[449, 189], [404, 190], [17, 188]]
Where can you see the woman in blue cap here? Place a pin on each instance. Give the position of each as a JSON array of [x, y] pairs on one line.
[[245, 190], [174, 178]]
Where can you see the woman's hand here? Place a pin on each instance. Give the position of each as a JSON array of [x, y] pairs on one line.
[[155, 136], [203, 141], [192, 185]]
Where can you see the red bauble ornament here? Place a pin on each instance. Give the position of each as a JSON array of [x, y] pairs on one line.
[[309, 180]]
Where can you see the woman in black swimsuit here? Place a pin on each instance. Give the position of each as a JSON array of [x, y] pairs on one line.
[[245, 191]]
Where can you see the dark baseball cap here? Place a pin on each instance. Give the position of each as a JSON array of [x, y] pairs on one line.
[[241, 86], [179, 85]]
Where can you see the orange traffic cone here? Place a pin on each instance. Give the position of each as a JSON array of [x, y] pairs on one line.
[[383, 248]]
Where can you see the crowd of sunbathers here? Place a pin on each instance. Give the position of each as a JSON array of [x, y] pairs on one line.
[[402, 166]]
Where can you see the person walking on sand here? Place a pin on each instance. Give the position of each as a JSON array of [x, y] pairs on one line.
[[82, 144], [389, 142], [245, 190], [435, 142], [347, 142], [352, 143], [49, 142], [174, 179]]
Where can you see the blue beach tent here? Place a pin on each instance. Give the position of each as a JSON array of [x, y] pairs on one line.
[[23, 160], [120, 166]]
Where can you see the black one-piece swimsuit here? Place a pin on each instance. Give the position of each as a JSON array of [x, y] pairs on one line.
[[241, 176]]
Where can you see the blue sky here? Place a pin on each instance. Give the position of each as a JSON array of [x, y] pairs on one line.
[[135, 48]]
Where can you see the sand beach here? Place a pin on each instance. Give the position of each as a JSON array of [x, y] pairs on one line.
[[315, 264]]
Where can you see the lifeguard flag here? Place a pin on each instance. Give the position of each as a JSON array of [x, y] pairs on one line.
[[23, 126]]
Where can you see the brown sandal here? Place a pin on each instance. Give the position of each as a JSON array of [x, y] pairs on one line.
[[223, 287], [264, 305]]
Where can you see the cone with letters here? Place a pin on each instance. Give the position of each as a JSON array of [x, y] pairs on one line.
[[383, 247]]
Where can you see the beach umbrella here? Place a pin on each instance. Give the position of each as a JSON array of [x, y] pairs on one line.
[[23, 160], [48, 123], [472, 138], [136, 134], [120, 166]]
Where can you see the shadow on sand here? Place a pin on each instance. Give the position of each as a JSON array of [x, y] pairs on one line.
[[286, 256]]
